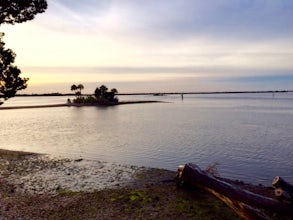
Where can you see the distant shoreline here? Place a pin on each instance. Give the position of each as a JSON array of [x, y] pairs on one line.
[[207, 93], [75, 105], [164, 93]]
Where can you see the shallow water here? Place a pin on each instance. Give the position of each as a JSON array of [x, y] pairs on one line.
[[248, 135]]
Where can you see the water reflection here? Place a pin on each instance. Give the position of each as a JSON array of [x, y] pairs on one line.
[[250, 138]]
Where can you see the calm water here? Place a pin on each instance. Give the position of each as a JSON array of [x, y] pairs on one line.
[[250, 136]]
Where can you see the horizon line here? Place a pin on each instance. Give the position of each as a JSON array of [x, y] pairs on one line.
[[163, 93]]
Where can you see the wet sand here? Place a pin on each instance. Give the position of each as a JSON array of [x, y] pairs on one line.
[[39, 174]]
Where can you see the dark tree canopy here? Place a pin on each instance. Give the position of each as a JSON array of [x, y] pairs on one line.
[[17, 11], [11, 12], [10, 81], [103, 96]]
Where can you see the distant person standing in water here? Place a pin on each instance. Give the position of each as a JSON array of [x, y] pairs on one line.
[[182, 96]]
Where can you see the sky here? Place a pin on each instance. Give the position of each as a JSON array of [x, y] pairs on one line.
[[156, 45]]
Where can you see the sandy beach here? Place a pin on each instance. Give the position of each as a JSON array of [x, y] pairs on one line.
[[43, 174], [34, 186]]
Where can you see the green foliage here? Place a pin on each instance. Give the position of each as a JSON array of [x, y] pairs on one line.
[[18, 11], [10, 80], [136, 195]]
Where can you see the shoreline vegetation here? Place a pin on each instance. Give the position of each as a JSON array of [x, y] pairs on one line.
[[34, 186]]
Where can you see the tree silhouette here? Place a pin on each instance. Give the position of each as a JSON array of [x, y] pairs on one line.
[[73, 88], [11, 12], [80, 87], [10, 81], [98, 92], [17, 11], [104, 97], [114, 90], [103, 89]]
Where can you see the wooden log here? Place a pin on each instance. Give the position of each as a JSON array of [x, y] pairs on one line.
[[193, 175], [283, 189], [243, 210], [283, 195], [178, 176]]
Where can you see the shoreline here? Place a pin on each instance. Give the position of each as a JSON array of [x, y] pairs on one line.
[[42, 161], [42, 174], [34, 186], [76, 105]]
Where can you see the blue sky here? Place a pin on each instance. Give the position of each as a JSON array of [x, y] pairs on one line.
[[160, 46]]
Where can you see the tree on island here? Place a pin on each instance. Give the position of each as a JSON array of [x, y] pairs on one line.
[[101, 96], [11, 12], [103, 89], [80, 87], [73, 88], [114, 90], [77, 89]]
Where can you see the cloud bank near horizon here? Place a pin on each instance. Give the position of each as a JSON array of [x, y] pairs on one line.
[[152, 40]]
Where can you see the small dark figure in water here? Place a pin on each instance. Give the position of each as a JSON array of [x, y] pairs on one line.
[[181, 96]]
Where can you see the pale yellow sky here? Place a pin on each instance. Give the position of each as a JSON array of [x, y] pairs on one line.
[[107, 35]]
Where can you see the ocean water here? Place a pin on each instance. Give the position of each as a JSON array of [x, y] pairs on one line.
[[249, 136]]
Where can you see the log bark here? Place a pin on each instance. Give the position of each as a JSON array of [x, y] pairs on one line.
[[193, 175], [283, 195], [283, 189], [243, 210]]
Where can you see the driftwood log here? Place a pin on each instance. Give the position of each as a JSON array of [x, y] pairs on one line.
[[246, 204], [283, 190]]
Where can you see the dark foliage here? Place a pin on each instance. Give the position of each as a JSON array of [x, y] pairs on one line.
[[10, 81], [102, 95], [17, 11], [11, 12]]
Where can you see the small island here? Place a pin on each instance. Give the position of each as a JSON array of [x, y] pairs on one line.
[[102, 97]]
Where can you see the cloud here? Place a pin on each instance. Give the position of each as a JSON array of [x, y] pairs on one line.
[[168, 19], [147, 39]]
